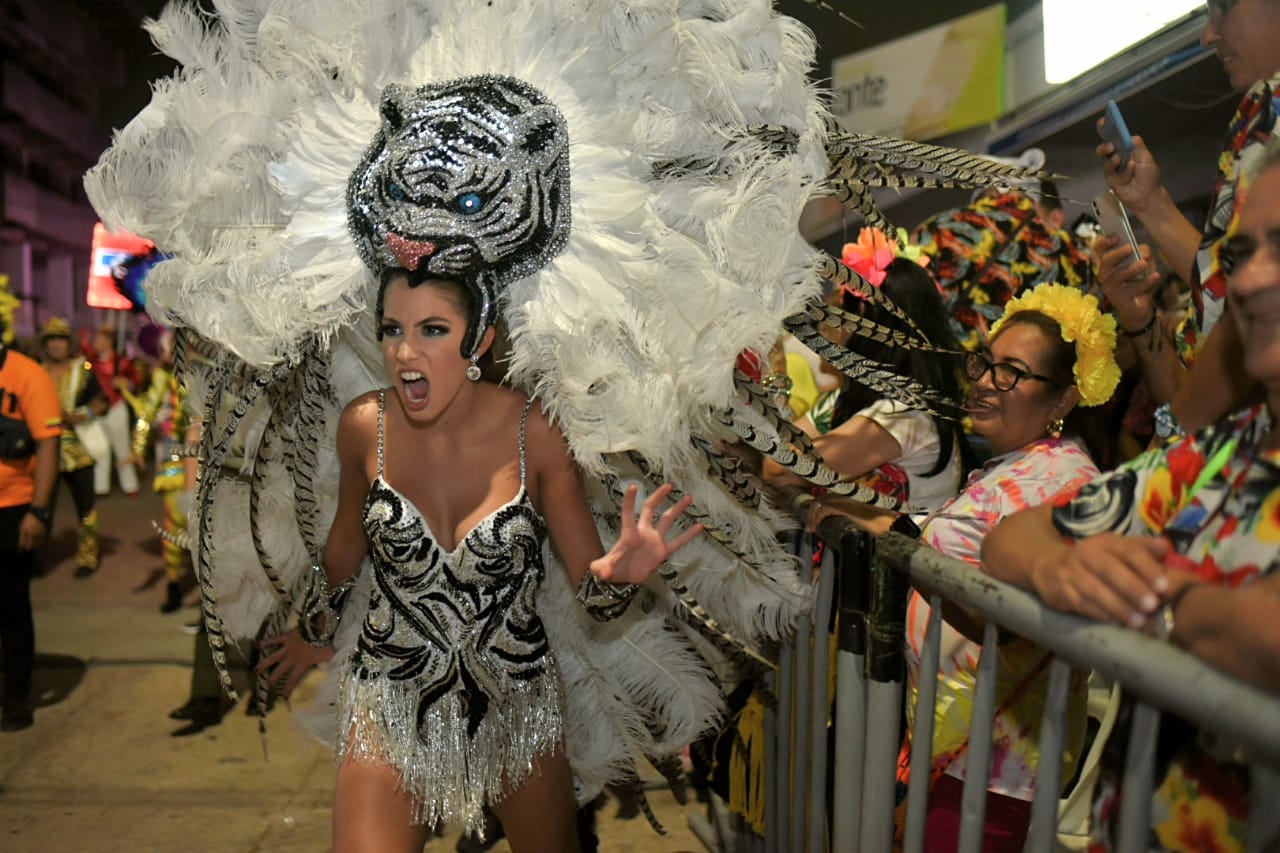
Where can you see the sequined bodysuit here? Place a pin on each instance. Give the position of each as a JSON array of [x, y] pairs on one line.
[[452, 681]]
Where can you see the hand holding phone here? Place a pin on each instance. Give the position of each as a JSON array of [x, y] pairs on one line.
[[1115, 221], [1115, 131]]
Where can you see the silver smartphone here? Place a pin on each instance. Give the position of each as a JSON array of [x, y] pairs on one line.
[[1115, 222]]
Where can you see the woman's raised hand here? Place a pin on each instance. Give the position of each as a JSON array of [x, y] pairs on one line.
[[644, 545], [1128, 284], [1138, 184]]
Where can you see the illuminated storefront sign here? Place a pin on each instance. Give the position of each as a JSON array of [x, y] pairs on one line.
[[937, 81]]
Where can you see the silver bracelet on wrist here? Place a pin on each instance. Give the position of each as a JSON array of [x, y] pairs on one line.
[[602, 600], [322, 607]]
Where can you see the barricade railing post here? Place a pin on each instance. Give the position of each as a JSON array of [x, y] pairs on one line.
[[819, 709], [772, 790], [922, 733], [973, 802], [1264, 817], [886, 668], [1138, 778], [784, 745], [801, 700], [1043, 833], [854, 586]]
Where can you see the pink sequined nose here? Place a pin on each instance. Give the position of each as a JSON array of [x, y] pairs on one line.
[[409, 253]]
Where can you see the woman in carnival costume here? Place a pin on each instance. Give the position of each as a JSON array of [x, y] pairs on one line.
[[614, 179], [452, 645]]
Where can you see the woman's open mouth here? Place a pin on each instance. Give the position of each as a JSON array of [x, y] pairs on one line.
[[417, 390]]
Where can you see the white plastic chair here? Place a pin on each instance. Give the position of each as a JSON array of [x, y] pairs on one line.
[[1074, 809]]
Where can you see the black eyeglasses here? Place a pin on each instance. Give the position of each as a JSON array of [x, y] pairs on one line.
[[1004, 376]]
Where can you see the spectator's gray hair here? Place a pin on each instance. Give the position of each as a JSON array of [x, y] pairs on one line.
[[1270, 157]]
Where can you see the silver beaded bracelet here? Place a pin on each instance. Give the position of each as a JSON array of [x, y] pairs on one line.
[[322, 607], [604, 601]]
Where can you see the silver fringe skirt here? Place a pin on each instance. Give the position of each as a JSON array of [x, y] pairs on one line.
[[450, 773]]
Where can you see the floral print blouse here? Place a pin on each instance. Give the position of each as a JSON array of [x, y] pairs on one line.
[[1253, 125], [1216, 498], [1030, 476]]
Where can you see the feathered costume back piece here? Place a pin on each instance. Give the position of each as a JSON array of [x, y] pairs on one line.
[[694, 140]]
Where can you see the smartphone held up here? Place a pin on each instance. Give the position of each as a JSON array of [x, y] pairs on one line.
[[1114, 222], [1114, 130]]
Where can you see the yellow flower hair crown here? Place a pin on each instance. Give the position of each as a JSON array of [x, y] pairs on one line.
[[1082, 323]]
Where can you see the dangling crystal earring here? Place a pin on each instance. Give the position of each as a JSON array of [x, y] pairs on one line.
[[1055, 427], [473, 372]]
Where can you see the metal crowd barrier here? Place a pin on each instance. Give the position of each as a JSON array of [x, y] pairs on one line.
[[866, 583]]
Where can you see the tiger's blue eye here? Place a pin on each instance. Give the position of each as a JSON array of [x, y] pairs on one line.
[[397, 192], [469, 204]]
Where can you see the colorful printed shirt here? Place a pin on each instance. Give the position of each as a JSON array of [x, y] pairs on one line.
[[1216, 497], [985, 254], [1027, 477], [1253, 125]]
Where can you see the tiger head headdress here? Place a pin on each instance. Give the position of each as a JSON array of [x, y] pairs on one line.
[[465, 180]]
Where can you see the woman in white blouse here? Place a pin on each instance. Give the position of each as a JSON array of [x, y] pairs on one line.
[[858, 433]]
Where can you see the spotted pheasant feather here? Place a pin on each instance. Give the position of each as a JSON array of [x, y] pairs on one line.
[[741, 484], [955, 167], [856, 196]]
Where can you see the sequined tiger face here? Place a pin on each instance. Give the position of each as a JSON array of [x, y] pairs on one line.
[[467, 179]]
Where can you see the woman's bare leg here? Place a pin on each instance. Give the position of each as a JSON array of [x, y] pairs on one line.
[[541, 816], [371, 814]]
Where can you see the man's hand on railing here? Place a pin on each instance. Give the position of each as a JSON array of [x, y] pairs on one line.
[[1110, 578]]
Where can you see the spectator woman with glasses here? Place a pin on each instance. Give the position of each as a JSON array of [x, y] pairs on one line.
[[1052, 351]]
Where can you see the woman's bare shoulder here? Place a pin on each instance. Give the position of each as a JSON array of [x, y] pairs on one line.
[[545, 442], [359, 419], [362, 408], [540, 421]]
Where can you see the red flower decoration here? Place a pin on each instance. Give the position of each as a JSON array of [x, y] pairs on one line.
[[870, 256]]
